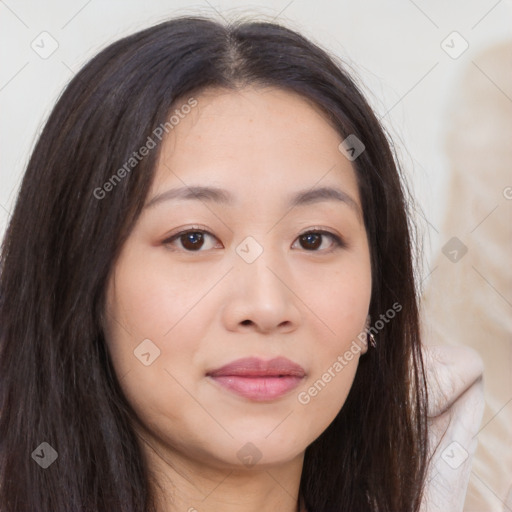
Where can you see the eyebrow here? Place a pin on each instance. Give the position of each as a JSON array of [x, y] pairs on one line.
[[222, 196]]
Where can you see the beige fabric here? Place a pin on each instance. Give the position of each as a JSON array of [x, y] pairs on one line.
[[468, 302], [456, 404]]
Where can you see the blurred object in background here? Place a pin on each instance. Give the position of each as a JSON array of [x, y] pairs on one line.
[[468, 299]]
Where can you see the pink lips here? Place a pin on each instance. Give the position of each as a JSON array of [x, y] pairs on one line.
[[257, 379]]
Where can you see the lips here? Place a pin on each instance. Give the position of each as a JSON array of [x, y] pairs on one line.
[[259, 380], [254, 367]]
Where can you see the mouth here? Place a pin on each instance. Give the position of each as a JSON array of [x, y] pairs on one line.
[[259, 380]]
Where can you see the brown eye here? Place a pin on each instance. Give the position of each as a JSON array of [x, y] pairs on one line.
[[190, 241], [312, 241]]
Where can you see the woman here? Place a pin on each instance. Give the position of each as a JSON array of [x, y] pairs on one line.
[[209, 229]]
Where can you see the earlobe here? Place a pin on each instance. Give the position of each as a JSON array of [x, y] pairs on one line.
[[370, 338], [363, 336]]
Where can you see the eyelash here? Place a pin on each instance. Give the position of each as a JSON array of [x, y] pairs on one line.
[[338, 242]]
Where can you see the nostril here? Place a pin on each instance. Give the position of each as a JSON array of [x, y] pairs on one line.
[[247, 322]]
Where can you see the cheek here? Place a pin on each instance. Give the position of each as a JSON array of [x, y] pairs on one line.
[[333, 368], [151, 296], [341, 303], [150, 336], [152, 345], [323, 396], [340, 298]]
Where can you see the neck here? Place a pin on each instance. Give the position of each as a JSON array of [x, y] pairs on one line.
[[183, 483]]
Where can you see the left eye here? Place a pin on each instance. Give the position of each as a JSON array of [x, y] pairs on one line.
[[314, 239], [193, 240]]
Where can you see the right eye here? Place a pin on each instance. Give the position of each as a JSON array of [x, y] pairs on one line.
[[191, 240]]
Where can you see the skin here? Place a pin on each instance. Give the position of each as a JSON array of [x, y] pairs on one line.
[[302, 299]]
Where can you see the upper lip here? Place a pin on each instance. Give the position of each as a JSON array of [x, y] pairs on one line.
[[255, 367]]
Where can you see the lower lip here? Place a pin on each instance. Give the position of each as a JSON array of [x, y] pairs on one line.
[[260, 389]]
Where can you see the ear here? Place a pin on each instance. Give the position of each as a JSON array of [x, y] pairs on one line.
[[365, 330]]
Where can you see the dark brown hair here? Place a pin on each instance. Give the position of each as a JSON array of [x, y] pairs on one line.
[[57, 384]]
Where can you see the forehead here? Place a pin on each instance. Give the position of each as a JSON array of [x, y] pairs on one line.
[[261, 139]]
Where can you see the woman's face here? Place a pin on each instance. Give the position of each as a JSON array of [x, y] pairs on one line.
[[246, 282]]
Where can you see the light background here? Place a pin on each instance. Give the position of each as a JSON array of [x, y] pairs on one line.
[[398, 50]]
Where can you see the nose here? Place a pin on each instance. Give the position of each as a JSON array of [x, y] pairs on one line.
[[261, 298]]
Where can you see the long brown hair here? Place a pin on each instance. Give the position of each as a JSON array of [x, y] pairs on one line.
[[57, 384]]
